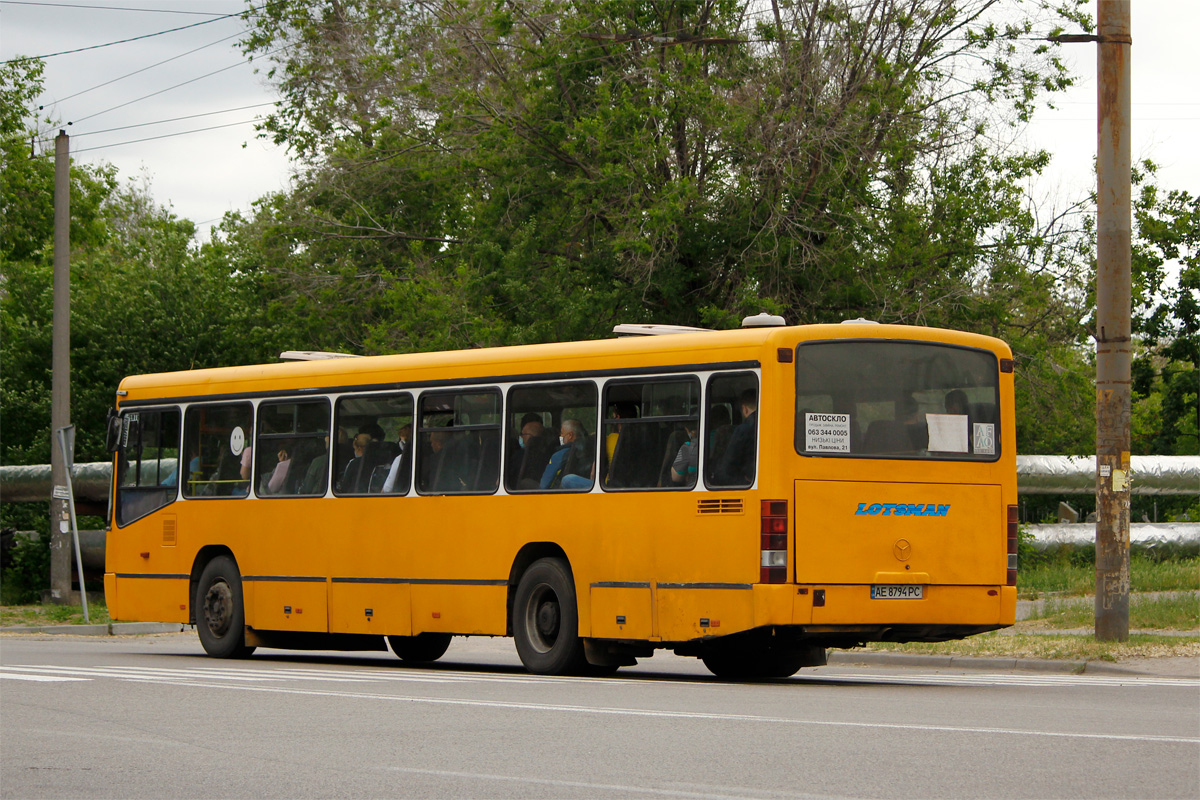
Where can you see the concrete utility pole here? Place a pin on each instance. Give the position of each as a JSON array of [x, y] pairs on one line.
[[1113, 328], [60, 374]]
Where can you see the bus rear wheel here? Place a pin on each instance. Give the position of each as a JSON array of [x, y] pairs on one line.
[[422, 647], [545, 619], [761, 662], [220, 612]]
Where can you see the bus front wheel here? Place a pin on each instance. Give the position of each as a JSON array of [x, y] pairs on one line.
[[546, 619], [422, 647], [220, 612]]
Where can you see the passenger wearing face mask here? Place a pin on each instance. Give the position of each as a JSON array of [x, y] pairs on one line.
[[571, 466], [534, 446]]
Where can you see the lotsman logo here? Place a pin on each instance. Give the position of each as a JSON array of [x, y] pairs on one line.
[[903, 509]]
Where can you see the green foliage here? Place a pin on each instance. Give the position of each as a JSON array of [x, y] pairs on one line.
[[1166, 367], [142, 299], [481, 174], [27, 571]]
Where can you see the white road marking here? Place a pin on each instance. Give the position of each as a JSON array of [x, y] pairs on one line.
[[719, 792], [39, 678], [693, 715], [252, 679], [408, 675]]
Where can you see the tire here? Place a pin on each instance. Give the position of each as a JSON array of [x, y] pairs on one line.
[[545, 619], [420, 648], [220, 611], [755, 663]]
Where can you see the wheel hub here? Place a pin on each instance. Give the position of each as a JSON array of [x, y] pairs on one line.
[[218, 608], [547, 619]]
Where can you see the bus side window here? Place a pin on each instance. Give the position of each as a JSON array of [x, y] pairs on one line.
[[371, 447], [537, 415], [647, 423], [292, 451], [731, 431], [148, 477], [215, 440], [458, 442]]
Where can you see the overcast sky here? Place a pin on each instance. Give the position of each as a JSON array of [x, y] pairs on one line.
[[204, 174]]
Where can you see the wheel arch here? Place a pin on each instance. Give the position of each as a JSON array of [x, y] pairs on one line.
[[528, 554], [203, 556]]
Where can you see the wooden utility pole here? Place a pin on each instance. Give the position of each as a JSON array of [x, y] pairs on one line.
[[60, 375], [1113, 329]]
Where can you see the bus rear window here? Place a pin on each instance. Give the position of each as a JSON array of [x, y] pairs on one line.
[[897, 400]]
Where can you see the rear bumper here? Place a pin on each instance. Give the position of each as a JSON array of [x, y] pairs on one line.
[[969, 606], [835, 612]]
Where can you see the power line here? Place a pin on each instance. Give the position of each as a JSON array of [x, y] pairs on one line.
[[143, 69], [163, 136], [126, 41], [160, 91], [161, 121], [109, 8]]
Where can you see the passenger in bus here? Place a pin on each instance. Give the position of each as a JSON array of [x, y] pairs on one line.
[[956, 402], [274, 483], [683, 468], [431, 465], [400, 471], [624, 410], [736, 467], [341, 450], [314, 478], [536, 444], [225, 479], [571, 466], [720, 428], [247, 463], [352, 476], [915, 427]]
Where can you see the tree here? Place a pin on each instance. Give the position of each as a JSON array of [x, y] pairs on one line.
[[142, 298], [1166, 413], [683, 161]]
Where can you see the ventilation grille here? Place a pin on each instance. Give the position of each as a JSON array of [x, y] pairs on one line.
[[169, 531], [728, 505]]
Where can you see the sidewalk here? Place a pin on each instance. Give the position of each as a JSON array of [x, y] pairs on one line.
[[107, 629]]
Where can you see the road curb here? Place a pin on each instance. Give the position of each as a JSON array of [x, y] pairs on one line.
[[838, 658], [843, 658]]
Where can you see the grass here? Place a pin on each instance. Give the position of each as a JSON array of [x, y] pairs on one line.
[[1070, 647], [1154, 612], [1061, 577], [38, 615]]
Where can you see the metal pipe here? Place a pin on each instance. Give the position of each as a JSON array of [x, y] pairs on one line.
[[1150, 475]]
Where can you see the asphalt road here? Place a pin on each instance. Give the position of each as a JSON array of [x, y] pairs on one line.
[[141, 717]]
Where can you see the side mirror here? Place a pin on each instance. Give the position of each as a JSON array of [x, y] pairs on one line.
[[112, 438]]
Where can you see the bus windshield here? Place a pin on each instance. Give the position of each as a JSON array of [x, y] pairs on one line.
[[890, 399]]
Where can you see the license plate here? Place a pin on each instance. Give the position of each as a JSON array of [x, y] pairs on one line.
[[897, 592]]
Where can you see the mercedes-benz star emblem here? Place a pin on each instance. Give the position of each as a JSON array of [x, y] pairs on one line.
[[902, 549]]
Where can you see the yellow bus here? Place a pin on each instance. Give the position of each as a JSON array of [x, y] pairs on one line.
[[749, 497]]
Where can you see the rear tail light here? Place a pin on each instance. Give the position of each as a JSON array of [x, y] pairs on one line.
[[774, 531], [1013, 534]]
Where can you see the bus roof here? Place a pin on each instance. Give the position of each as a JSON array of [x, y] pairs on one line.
[[561, 359]]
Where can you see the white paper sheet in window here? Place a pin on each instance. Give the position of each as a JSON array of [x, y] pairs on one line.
[[947, 433]]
